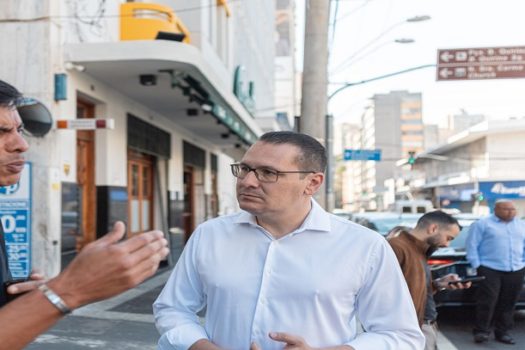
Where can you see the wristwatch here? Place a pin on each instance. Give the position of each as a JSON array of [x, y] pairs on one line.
[[55, 299]]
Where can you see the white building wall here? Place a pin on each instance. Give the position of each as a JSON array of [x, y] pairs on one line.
[[226, 183], [505, 156], [255, 49]]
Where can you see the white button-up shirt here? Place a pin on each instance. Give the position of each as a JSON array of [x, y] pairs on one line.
[[311, 283]]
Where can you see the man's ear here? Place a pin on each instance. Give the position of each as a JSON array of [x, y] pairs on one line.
[[314, 182], [432, 229]]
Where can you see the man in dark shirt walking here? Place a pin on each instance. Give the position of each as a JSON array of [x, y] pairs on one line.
[[412, 248]]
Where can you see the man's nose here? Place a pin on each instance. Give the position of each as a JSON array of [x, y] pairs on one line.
[[18, 143], [251, 178]]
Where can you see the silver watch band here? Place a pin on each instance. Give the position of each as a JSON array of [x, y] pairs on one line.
[[55, 299]]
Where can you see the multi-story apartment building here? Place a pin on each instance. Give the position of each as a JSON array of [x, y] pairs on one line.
[[183, 82], [393, 124]]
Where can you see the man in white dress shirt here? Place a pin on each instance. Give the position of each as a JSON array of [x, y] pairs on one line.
[[283, 272]]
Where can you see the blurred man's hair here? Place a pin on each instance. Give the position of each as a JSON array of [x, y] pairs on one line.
[[9, 95], [436, 217]]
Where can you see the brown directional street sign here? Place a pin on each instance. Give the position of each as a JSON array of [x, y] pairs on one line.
[[481, 63]]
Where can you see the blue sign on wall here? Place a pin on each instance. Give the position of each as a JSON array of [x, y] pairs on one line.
[[362, 154], [15, 214], [493, 190]]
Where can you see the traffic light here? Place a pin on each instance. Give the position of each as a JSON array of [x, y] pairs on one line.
[[479, 197], [411, 157]]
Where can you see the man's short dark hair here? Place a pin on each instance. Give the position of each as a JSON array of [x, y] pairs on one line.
[[437, 217], [9, 95], [313, 153]]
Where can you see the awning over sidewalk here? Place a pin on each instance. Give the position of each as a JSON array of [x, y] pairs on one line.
[[174, 80]]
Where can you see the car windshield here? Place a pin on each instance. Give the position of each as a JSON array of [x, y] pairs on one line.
[[385, 225]]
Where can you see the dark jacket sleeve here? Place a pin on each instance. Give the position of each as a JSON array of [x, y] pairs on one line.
[[5, 275]]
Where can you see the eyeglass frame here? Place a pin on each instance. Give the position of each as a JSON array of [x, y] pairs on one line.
[[277, 172]]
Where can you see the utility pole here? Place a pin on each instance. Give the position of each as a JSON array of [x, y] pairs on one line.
[[315, 77]]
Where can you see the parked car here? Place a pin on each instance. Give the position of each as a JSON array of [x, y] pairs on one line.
[[452, 259], [342, 213], [382, 222]]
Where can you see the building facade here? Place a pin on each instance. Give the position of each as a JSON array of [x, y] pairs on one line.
[[475, 168], [182, 82], [393, 124]]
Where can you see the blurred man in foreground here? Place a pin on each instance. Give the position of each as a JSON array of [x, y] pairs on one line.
[[102, 269]]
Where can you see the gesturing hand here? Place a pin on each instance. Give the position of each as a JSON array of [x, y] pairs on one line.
[[291, 341], [108, 267], [36, 278]]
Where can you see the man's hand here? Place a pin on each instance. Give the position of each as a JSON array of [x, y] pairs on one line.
[[295, 342], [107, 267], [443, 282], [291, 341], [36, 278]]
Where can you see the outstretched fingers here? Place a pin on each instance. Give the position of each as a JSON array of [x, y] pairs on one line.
[[112, 236], [138, 242], [287, 338]]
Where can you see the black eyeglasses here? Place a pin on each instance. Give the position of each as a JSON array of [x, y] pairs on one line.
[[263, 174]]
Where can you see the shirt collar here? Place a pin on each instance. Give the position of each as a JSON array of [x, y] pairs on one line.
[[421, 245], [495, 218], [316, 220]]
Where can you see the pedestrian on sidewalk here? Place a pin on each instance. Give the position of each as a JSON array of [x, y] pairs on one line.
[[496, 248], [412, 248], [283, 272], [102, 269]]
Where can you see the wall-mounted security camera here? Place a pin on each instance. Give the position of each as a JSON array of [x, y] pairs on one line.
[[71, 66]]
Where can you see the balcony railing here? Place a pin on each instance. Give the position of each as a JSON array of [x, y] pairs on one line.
[[146, 21]]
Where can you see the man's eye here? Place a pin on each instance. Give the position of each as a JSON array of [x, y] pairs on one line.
[[266, 172], [244, 168]]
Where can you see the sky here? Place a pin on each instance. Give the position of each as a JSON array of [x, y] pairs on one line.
[[365, 32]]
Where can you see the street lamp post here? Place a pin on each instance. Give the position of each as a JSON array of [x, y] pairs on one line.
[[347, 61], [329, 128]]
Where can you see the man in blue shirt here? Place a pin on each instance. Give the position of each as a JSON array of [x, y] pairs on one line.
[[495, 247]]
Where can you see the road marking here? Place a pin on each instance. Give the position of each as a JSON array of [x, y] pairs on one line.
[[91, 344], [444, 343]]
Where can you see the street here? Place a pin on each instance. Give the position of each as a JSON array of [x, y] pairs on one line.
[[456, 325]]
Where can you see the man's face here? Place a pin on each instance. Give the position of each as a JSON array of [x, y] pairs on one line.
[[290, 190], [505, 211], [441, 235], [12, 146]]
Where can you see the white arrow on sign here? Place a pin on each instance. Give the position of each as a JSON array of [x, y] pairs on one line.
[[446, 56], [445, 73]]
